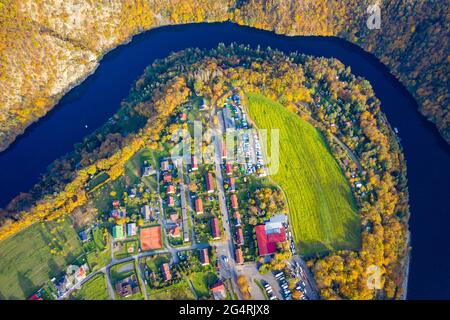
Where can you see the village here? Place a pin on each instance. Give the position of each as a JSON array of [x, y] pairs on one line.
[[182, 229]]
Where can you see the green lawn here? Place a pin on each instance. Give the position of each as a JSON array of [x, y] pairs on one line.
[[133, 168], [26, 262], [322, 209], [202, 281], [94, 289], [178, 291]]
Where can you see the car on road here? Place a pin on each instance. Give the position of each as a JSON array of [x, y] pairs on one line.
[[225, 259]]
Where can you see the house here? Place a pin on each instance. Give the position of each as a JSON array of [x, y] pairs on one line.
[[74, 274], [203, 105], [237, 218], [132, 193], [167, 177], [209, 183], [215, 230], [204, 257], [234, 202], [194, 163], [173, 217], [239, 236], [219, 292], [164, 165], [229, 169], [85, 235], [171, 189], [127, 287], [170, 201], [147, 212], [223, 148], [150, 238], [174, 232], [267, 242], [165, 269], [131, 229], [183, 116], [118, 213], [116, 203], [239, 256], [198, 206], [147, 170], [118, 232], [232, 185]]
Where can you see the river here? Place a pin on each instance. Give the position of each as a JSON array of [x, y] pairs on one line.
[[89, 105]]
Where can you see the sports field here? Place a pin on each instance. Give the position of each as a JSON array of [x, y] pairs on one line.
[[322, 209]]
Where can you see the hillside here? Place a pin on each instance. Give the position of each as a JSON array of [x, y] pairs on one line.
[[46, 49]]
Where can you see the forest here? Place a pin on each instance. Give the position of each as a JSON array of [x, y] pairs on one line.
[[295, 81], [45, 50]]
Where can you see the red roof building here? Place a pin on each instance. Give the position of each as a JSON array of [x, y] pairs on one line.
[[209, 183], [204, 257], [167, 276], [170, 189], [183, 116], [167, 177], [170, 201], [194, 163], [215, 230], [239, 236], [219, 292], [224, 150], [164, 165], [173, 217], [267, 243], [234, 202], [175, 232], [229, 169], [239, 256], [198, 206]]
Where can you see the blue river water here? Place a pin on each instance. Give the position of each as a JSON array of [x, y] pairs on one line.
[[99, 96]]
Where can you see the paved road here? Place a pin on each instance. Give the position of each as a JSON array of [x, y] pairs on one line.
[[305, 274], [106, 269], [179, 164], [226, 247]]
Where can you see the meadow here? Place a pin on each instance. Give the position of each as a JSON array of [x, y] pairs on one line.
[[177, 291], [32, 257], [322, 210], [94, 289]]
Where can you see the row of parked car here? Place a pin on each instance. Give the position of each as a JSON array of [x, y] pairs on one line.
[[285, 292], [301, 285], [269, 291]]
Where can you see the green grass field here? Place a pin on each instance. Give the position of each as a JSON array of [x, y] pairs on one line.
[[94, 289], [133, 168], [323, 212], [26, 262], [178, 291], [202, 281]]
